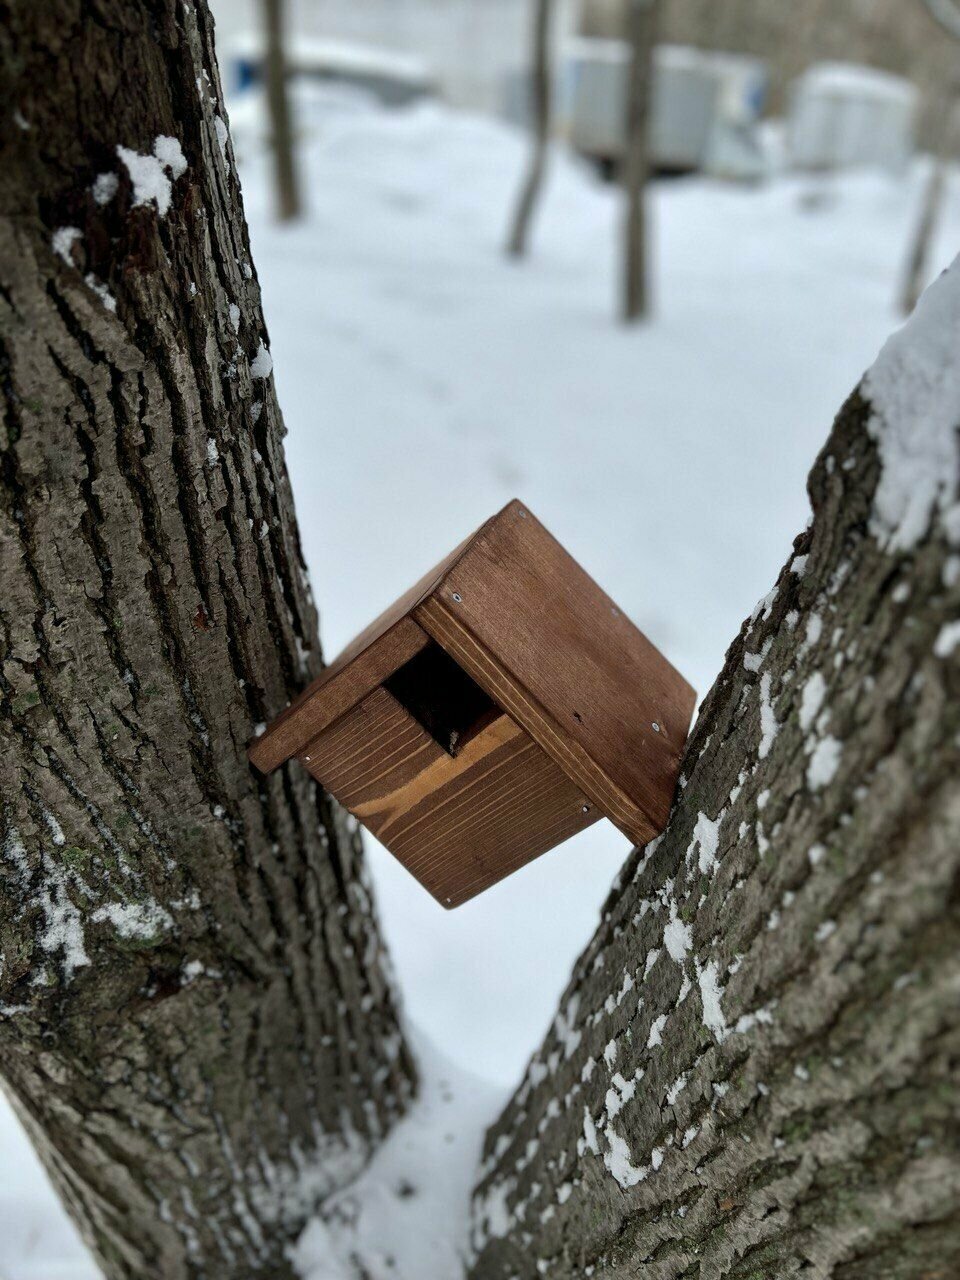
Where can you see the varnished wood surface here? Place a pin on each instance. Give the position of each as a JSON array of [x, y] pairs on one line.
[[553, 649], [576, 764], [338, 688], [458, 823], [595, 714], [354, 672]]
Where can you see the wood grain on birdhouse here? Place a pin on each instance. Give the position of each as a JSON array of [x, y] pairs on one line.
[[500, 706]]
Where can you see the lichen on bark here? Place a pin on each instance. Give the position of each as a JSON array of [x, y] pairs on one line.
[[197, 1021]]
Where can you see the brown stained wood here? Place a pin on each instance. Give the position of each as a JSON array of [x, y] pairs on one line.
[[543, 729], [496, 708], [457, 823], [380, 648], [553, 649], [338, 688]]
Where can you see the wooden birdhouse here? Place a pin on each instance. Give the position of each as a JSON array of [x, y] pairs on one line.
[[503, 704]]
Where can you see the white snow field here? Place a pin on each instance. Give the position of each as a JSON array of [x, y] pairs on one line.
[[426, 380]]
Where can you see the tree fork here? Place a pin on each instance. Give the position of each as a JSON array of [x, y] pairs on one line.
[[197, 1022], [753, 1071]]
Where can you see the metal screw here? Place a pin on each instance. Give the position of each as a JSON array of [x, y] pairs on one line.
[[585, 808], [457, 597], [656, 727], [522, 514]]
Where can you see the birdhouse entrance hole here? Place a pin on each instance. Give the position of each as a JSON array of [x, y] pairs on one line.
[[441, 697]]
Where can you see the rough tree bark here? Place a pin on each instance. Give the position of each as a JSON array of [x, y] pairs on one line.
[[754, 1069], [196, 1020], [541, 93], [286, 177], [642, 21]]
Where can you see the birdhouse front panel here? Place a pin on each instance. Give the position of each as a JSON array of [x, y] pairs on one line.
[[461, 809], [500, 706]]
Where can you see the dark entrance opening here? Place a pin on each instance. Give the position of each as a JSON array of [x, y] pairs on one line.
[[442, 697]]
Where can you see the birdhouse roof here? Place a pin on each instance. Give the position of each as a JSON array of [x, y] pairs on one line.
[[538, 635]]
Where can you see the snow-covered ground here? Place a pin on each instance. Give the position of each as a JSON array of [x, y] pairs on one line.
[[426, 380]]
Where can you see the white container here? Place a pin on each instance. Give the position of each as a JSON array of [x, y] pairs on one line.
[[393, 78], [844, 116], [705, 107]]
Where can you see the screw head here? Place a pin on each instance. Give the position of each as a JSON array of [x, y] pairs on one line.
[[456, 597], [656, 727], [584, 808]]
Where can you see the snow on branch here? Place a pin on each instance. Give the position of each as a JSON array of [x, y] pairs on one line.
[[914, 390]]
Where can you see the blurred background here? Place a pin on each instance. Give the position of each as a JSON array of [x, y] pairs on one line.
[[623, 260]]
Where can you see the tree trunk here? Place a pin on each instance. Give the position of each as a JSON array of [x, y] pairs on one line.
[[642, 22], [753, 1072], [540, 100], [196, 1020], [278, 106], [918, 262]]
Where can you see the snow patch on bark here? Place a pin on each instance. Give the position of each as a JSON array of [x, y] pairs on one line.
[[104, 188], [811, 700], [261, 366], [824, 763], [62, 242], [710, 993], [656, 1031], [677, 936], [149, 173], [101, 290], [769, 725], [706, 838], [914, 391], [947, 640], [62, 932], [618, 1161], [141, 920], [223, 135]]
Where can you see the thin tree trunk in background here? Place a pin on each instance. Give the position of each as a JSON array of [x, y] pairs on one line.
[[753, 1071], [196, 1022], [642, 22], [289, 205], [916, 276], [540, 103]]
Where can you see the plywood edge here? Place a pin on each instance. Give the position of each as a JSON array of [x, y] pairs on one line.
[[336, 691], [439, 621]]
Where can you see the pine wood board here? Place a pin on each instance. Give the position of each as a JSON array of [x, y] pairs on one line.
[[457, 823]]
